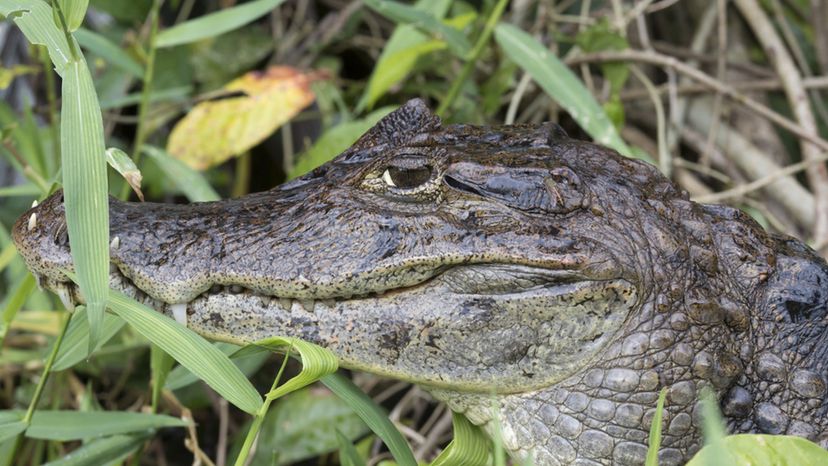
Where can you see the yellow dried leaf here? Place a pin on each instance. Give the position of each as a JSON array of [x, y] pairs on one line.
[[214, 131]]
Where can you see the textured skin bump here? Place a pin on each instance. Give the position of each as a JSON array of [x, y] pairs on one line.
[[526, 278]]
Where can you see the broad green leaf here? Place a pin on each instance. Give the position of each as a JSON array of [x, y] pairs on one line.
[[388, 72], [120, 161], [35, 19], [335, 140], [714, 430], [76, 425], [303, 425], [214, 131], [317, 362], [654, 441], [214, 24], [561, 84], [348, 455], [424, 21], [470, 445], [247, 362], [85, 192], [73, 11], [75, 345], [189, 181], [373, 415], [190, 350], [11, 428], [110, 52], [101, 451], [763, 450]]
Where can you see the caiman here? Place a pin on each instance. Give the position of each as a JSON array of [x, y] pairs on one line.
[[495, 266]]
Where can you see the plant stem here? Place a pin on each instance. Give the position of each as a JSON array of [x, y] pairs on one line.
[[241, 183], [454, 91], [47, 368], [253, 433], [143, 107], [70, 41]]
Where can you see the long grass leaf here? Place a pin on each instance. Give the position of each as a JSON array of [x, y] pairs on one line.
[[74, 11], [425, 21], [190, 350], [469, 447], [101, 451], [11, 429], [110, 52], [348, 455], [247, 362], [189, 181], [373, 416], [557, 80], [392, 65], [76, 425], [75, 346], [34, 18], [15, 302], [317, 362], [214, 24], [654, 442], [85, 196]]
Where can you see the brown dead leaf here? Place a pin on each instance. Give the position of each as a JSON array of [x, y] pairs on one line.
[[216, 130]]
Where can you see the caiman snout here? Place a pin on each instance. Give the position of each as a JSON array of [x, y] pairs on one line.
[[42, 239]]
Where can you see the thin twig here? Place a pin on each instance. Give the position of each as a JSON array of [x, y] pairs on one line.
[[787, 71], [704, 78]]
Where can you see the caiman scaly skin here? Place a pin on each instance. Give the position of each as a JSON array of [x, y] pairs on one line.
[[496, 266]]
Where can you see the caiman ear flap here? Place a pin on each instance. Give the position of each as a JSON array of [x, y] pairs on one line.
[[400, 125]]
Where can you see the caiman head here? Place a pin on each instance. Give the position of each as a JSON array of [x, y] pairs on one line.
[[467, 259]]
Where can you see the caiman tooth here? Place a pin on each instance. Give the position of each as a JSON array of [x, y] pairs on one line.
[[179, 312], [115, 243], [32, 222], [62, 290], [285, 303], [34, 203], [264, 301], [113, 268], [331, 303], [308, 304]]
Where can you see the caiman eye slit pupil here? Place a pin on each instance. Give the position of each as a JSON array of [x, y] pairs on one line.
[[406, 178]]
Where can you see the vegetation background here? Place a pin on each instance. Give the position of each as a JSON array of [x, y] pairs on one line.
[[213, 99]]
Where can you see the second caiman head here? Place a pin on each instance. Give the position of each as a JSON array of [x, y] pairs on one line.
[[487, 260]]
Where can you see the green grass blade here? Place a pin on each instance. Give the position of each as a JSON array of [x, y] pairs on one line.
[[215, 23], [714, 431], [76, 425], [74, 11], [348, 455], [335, 141], [189, 181], [190, 350], [388, 72], [557, 80], [101, 451], [21, 190], [35, 19], [75, 346], [248, 363], [160, 365], [15, 302], [317, 362], [424, 21], [470, 445], [11, 429], [104, 48], [85, 195], [762, 450], [373, 416], [654, 442]]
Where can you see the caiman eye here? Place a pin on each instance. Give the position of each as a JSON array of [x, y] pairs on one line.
[[406, 178]]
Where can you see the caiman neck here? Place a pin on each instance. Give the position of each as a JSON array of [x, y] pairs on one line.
[[783, 390]]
